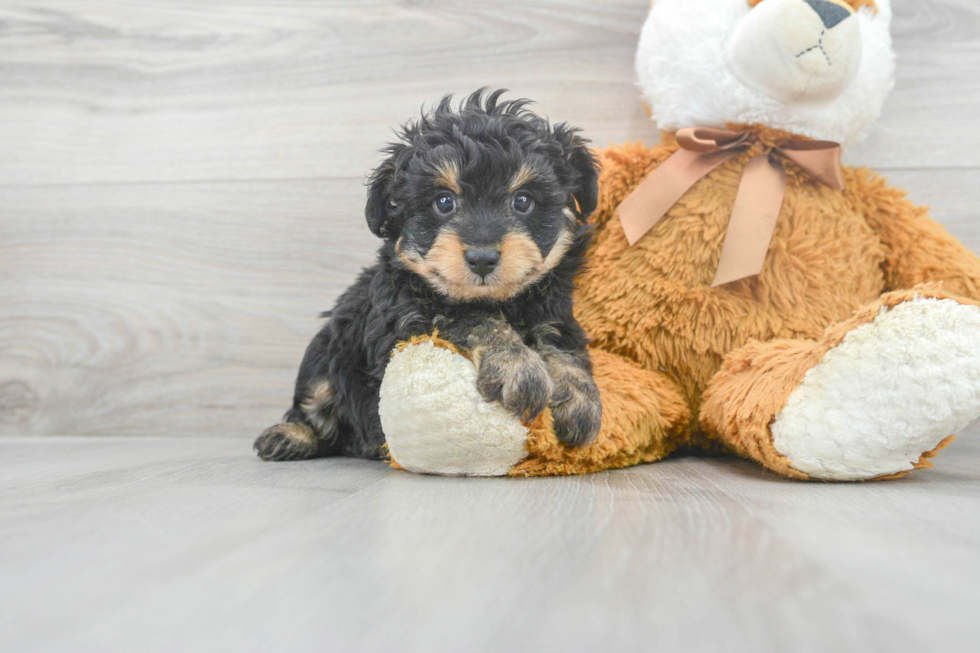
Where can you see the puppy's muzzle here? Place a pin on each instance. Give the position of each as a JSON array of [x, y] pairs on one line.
[[482, 262]]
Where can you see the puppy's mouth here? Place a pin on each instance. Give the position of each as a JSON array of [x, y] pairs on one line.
[[521, 265], [459, 284]]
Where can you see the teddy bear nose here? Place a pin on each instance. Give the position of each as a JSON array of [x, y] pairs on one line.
[[830, 13], [482, 261]]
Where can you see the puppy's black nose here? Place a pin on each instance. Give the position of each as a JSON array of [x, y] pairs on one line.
[[831, 14], [482, 261]]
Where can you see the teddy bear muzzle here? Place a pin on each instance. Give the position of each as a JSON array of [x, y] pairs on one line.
[[797, 50]]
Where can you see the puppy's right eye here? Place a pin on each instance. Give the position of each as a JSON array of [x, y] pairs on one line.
[[444, 204], [523, 203]]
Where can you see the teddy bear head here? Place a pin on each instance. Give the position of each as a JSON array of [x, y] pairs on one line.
[[816, 68]]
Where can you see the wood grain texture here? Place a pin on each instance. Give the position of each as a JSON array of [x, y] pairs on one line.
[[930, 119], [194, 545], [166, 309], [181, 182], [96, 91], [112, 90]]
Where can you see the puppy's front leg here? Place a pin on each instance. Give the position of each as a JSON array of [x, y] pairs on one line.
[[508, 371], [575, 404]]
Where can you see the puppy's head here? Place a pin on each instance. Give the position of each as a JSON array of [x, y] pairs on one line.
[[485, 199]]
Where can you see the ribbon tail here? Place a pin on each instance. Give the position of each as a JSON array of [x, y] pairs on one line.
[[819, 159], [753, 221], [663, 187]]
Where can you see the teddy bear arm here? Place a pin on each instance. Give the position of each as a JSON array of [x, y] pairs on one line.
[[917, 248], [645, 417], [436, 421]]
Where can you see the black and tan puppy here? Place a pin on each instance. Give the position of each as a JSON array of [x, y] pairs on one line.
[[483, 212]]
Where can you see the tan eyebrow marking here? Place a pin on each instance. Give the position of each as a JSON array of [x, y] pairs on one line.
[[524, 175], [447, 174]]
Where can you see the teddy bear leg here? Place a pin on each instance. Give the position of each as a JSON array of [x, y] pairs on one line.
[[436, 422], [873, 398]]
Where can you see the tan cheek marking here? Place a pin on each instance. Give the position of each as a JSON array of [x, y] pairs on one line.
[[415, 263], [519, 259], [524, 175], [437, 279], [557, 253], [447, 174], [446, 257]]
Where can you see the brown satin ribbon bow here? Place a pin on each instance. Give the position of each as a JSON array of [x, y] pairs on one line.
[[757, 204]]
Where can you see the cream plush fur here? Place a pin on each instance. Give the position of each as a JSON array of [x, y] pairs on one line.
[[876, 403], [435, 421]]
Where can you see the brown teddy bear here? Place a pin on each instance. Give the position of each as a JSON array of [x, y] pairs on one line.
[[744, 292]]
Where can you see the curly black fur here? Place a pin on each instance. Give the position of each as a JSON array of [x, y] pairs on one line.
[[517, 317]]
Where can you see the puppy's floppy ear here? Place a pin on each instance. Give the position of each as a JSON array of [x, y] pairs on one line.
[[587, 191], [584, 169], [380, 210]]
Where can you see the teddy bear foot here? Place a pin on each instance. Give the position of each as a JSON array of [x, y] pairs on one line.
[[890, 394], [436, 422]]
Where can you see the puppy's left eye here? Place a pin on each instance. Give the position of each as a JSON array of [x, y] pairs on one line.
[[523, 203]]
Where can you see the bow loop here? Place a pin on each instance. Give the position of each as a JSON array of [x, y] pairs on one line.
[[760, 193], [706, 139]]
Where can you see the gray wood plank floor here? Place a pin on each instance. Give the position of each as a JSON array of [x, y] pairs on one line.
[[187, 544]]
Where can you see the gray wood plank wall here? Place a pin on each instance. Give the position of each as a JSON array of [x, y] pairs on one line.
[[181, 181]]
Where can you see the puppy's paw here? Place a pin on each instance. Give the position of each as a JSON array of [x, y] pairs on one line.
[[577, 411], [287, 441], [518, 378]]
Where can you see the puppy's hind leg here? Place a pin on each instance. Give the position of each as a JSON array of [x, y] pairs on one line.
[[309, 429]]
